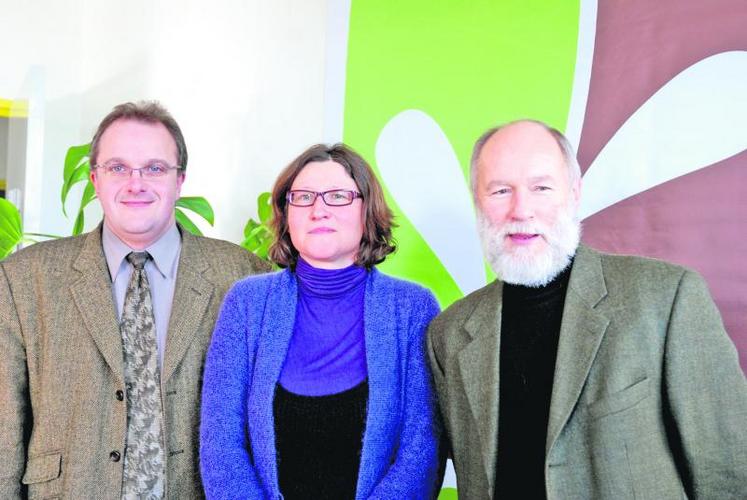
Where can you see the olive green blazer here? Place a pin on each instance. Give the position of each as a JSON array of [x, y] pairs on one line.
[[648, 399], [62, 417]]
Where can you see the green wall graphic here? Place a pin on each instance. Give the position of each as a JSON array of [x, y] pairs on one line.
[[468, 66]]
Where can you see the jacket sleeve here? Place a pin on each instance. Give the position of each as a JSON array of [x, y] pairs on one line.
[[15, 408], [414, 472], [707, 396], [225, 462]]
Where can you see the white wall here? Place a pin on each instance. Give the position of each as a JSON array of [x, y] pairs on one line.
[[244, 78]]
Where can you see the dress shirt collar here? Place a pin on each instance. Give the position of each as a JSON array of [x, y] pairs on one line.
[[164, 251]]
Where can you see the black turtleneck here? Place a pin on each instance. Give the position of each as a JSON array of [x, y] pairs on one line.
[[530, 327]]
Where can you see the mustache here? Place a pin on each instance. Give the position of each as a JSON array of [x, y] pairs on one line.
[[519, 228], [553, 233]]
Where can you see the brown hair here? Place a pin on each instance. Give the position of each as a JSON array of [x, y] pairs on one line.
[[377, 241], [147, 112]]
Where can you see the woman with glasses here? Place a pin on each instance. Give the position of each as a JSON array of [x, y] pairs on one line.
[[315, 382]]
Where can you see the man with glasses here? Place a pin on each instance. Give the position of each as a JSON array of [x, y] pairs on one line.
[[103, 336]]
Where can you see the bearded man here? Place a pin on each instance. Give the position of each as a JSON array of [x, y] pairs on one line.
[[578, 374]]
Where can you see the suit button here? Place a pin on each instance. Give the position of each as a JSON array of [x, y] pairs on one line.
[[119, 395], [114, 456]]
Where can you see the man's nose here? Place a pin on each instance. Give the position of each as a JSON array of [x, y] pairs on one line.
[[138, 171], [521, 206], [135, 181]]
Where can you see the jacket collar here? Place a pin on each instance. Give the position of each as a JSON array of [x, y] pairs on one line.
[[193, 294], [480, 369], [93, 296], [584, 324]]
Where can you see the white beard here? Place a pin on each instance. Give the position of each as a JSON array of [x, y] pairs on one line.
[[526, 266]]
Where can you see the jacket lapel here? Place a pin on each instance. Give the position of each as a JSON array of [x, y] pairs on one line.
[[581, 332], [92, 294], [192, 295], [479, 368]]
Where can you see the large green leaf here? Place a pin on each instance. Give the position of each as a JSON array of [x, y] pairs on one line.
[[80, 174], [249, 227], [257, 235], [264, 249], [198, 205], [89, 194], [76, 170], [264, 207], [79, 222], [11, 229], [73, 158], [260, 232], [186, 223], [10, 217]]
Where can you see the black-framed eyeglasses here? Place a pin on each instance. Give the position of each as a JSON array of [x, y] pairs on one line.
[[332, 198], [120, 170]]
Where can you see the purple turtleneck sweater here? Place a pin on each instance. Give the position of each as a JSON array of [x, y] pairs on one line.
[[327, 351]]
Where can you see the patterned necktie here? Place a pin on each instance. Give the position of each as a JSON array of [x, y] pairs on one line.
[[144, 463]]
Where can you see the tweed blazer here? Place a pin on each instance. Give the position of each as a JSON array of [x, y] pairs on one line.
[[648, 399], [63, 419], [399, 458]]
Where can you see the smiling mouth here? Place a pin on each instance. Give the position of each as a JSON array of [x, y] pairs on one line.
[[136, 203], [523, 238]]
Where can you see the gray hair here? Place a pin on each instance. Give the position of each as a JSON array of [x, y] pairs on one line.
[[569, 155]]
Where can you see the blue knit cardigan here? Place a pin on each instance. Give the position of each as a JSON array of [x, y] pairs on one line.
[[400, 454]]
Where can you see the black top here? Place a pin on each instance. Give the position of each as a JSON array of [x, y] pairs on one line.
[[530, 328], [318, 441]]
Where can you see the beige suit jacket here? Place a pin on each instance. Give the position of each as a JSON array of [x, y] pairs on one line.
[[648, 399], [62, 417]]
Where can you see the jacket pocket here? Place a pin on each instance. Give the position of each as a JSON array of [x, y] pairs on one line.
[[41, 468], [621, 400]]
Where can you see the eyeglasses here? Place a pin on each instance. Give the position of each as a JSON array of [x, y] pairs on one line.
[[119, 170], [332, 198]]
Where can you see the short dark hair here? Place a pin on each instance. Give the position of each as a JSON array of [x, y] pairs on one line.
[[377, 241], [147, 112]]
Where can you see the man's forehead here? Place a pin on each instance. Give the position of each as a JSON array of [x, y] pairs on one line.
[[521, 139], [132, 135], [523, 147], [128, 125]]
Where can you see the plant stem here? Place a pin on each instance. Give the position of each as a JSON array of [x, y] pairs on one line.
[[43, 235]]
